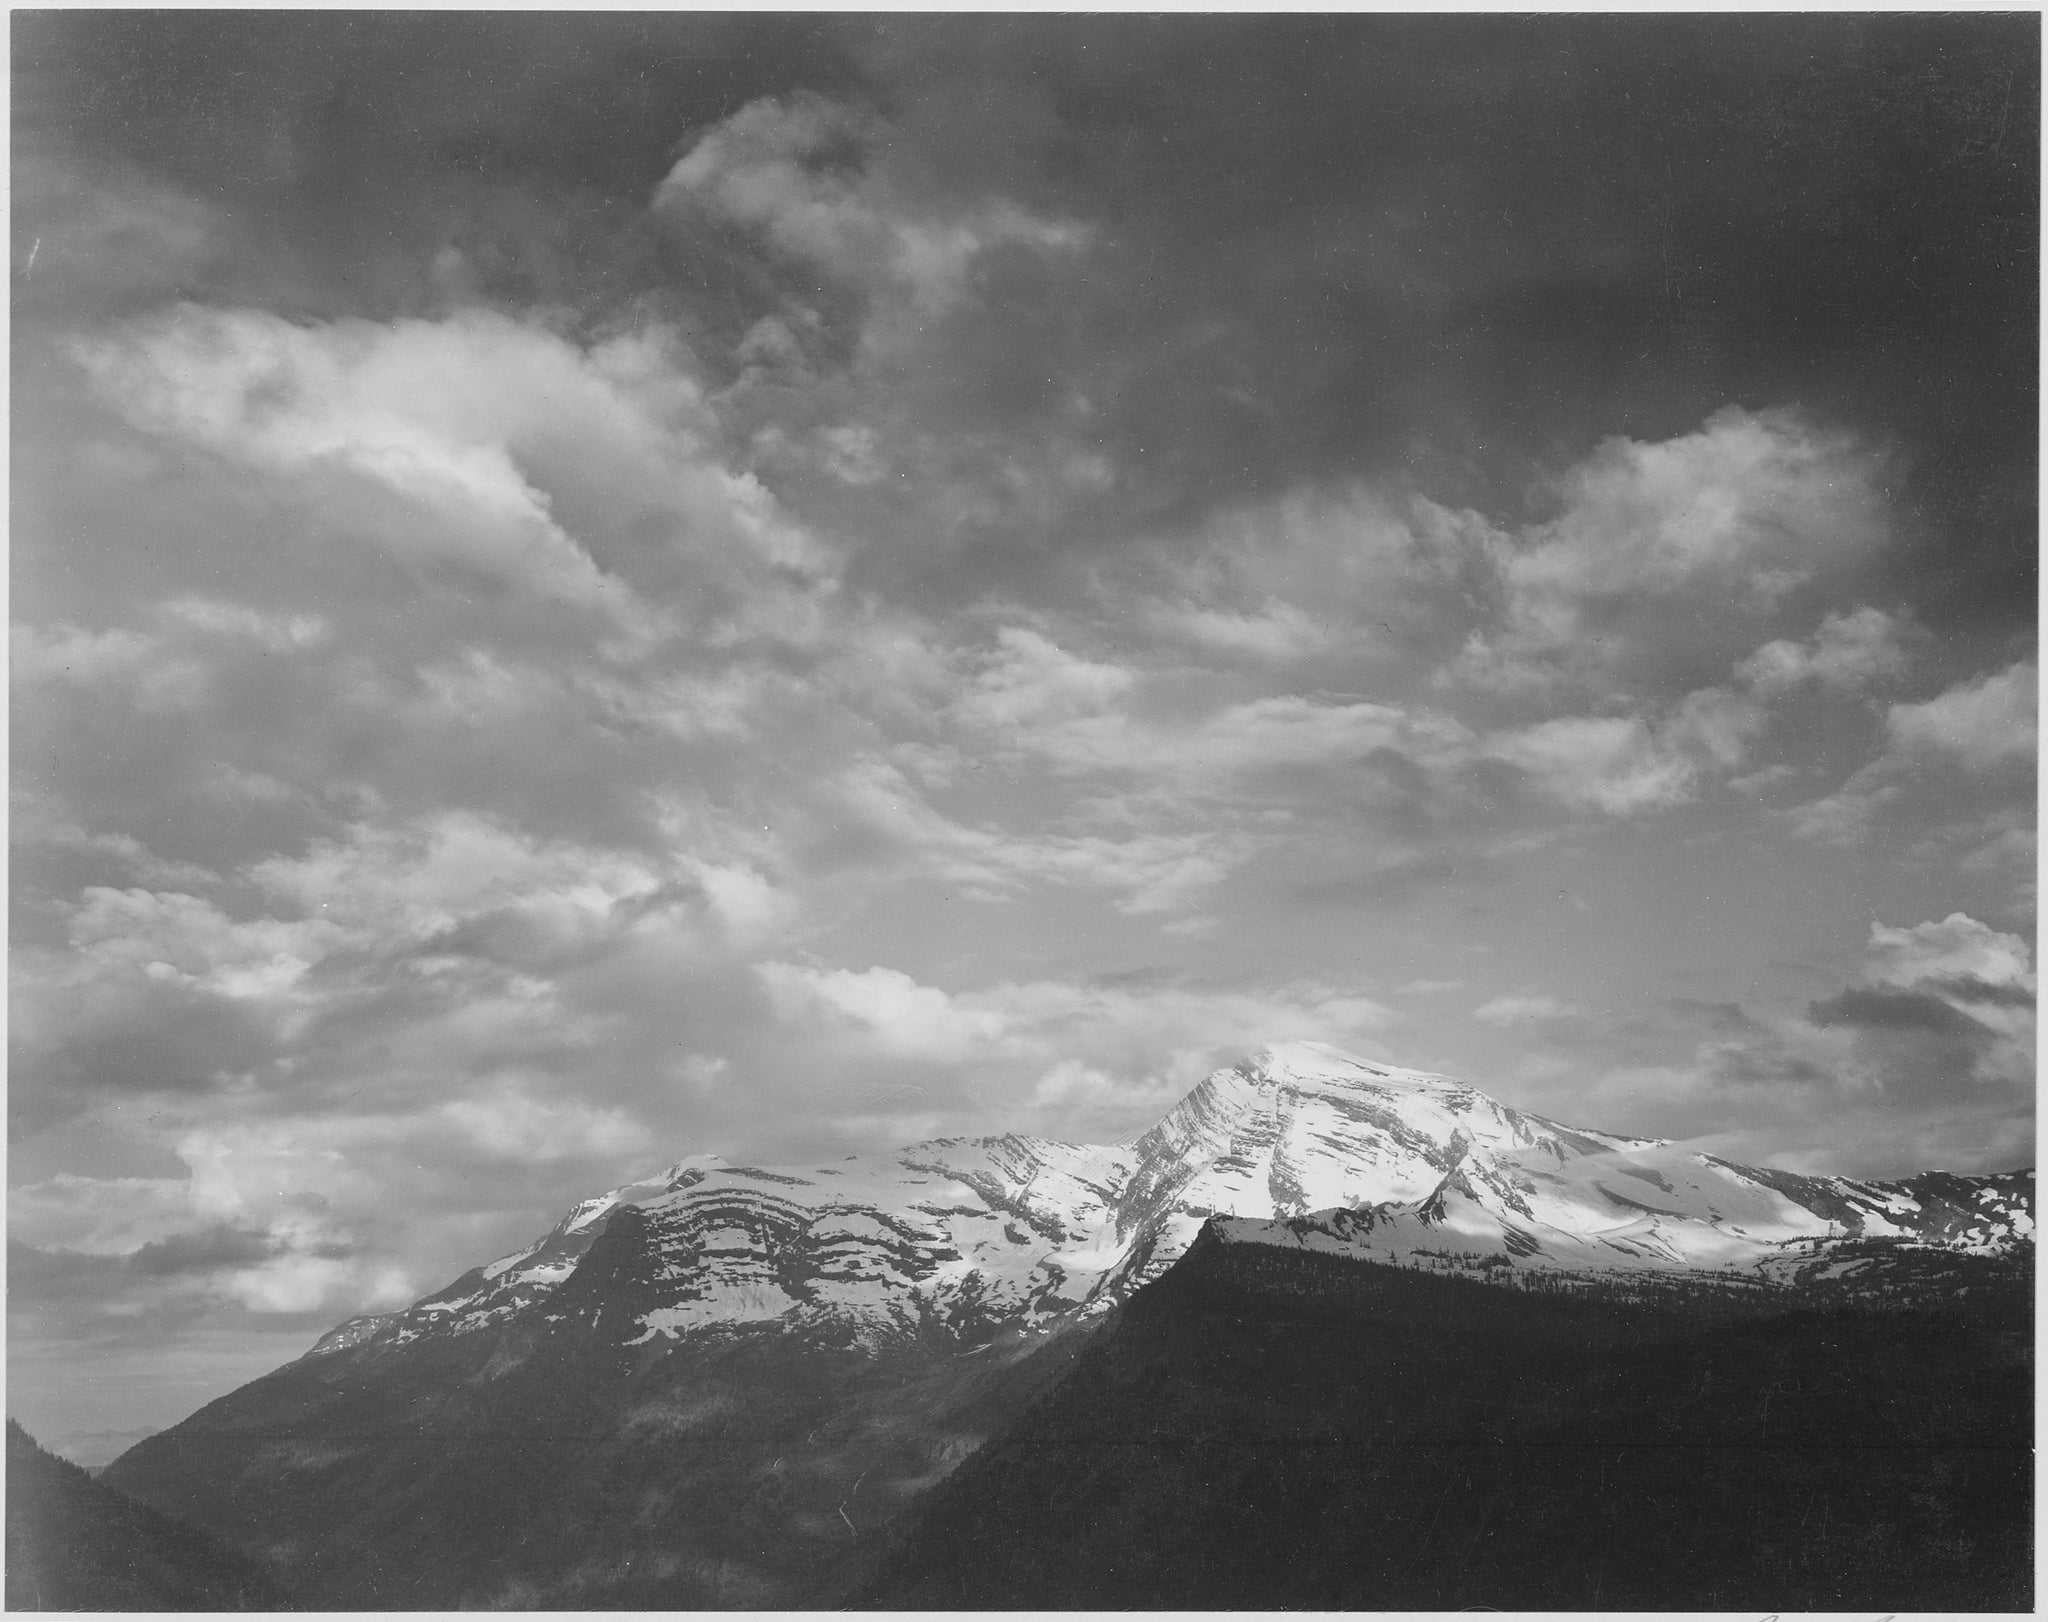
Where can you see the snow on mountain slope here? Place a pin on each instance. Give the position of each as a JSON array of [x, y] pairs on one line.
[[1302, 1145]]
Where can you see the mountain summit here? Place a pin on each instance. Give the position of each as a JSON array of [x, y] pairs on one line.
[[1301, 1145]]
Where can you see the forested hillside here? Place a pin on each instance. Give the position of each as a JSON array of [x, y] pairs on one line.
[[75, 1544], [1265, 1429]]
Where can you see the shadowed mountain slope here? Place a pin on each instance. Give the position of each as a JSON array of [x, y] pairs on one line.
[[74, 1544], [1267, 1428]]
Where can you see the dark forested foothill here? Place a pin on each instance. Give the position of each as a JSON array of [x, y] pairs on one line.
[[544, 1464], [1265, 1428], [75, 1544]]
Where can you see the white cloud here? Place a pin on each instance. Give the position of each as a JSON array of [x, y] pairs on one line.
[[1235, 745], [1846, 816], [279, 633], [902, 1016], [1957, 946], [403, 885], [1079, 1091], [32, 824], [1278, 631], [513, 1125], [173, 936], [157, 676], [747, 904], [376, 401], [1726, 519], [1614, 764], [488, 439], [1150, 872], [1714, 726], [1033, 681], [1066, 1053], [1525, 1009], [70, 653], [1086, 718], [1849, 651], [1981, 723]]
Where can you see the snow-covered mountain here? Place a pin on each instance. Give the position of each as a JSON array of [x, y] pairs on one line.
[[1301, 1146]]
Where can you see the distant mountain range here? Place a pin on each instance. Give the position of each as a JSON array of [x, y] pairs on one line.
[[721, 1385]]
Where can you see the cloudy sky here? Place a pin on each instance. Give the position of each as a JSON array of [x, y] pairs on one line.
[[593, 589]]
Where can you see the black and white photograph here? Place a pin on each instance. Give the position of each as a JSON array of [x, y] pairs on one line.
[[1054, 811]]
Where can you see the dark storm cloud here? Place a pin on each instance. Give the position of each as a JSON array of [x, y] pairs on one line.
[[1450, 248], [52, 1273], [206, 1251], [1765, 1064], [1970, 989], [347, 149], [1408, 239], [1926, 1050], [1876, 1008]]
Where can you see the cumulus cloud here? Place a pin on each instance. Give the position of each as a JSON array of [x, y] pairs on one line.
[[1980, 723], [1957, 946], [899, 1015], [1736, 515]]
